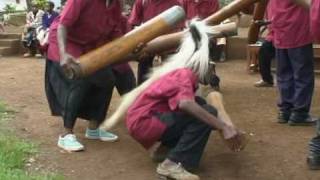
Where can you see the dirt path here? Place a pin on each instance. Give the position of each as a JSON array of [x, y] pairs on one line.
[[276, 152]]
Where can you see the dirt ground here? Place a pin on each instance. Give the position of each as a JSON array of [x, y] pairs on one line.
[[275, 152]]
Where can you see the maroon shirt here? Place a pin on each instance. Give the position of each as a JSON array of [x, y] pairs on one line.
[[144, 10], [162, 96], [315, 19], [290, 24], [201, 9], [90, 24]]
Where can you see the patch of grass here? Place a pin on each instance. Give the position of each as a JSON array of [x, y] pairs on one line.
[[14, 152]]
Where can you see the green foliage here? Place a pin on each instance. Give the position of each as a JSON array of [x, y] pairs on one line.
[[10, 8], [14, 152], [41, 4], [224, 2]]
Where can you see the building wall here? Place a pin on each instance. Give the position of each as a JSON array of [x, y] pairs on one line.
[[21, 6]]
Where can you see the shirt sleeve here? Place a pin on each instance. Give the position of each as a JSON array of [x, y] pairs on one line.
[[183, 89], [71, 12], [136, 14]]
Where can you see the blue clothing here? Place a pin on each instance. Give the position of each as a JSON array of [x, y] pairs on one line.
[[295, 78], [48, 19]]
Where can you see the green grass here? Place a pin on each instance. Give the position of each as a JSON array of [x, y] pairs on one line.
[[14, 152]]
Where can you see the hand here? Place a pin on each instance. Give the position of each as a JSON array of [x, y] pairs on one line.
[[234, 139], [139, 53], [139, 48], [67, 61]]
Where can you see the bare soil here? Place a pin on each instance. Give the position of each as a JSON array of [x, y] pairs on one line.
[[275, 152]]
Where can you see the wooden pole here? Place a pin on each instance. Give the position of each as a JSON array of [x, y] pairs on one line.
[[119, 49], [116, 50]]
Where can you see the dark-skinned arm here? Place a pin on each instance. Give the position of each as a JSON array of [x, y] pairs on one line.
[[66, 60], [228, 130]]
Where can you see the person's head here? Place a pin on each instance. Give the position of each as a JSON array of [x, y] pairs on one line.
[[194, 52], [50, 6], [34, 8]]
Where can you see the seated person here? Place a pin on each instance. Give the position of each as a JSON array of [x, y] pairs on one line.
[[34, 20], [43, 30], [165, 109]]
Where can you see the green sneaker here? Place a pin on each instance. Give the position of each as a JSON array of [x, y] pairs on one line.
[[100, 134], [70, 143]]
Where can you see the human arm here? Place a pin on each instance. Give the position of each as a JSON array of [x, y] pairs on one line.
[[227, 129], [66, 60]]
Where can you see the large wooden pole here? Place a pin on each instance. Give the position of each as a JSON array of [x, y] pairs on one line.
[[119, 49], [167, 42], [113, 52]]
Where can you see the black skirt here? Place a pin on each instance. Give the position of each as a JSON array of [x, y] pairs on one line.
[[87, 98]]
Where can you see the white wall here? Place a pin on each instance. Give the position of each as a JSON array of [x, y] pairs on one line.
[[21, 6]]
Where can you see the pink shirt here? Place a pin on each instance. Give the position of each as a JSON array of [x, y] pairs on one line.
[[163, 95], [90, 24], [144, 10], [315, 19], [290, 24], [201, 9]]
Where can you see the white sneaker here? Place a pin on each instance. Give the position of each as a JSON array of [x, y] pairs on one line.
[[175, 172], [70, 143]]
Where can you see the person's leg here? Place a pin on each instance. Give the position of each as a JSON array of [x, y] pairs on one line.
[[97, 103], [64, 98], [266, 54], [302, 64], [143, 69], [74, 98], [285, 83], [313, 158], [190, 146], [124, 82], [186, 137], [73, 102]]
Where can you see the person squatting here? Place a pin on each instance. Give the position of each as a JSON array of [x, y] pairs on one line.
[[165, 108]]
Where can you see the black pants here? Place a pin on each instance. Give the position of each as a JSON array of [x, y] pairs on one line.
[[266, 54], [124, 82], [186, 136], [143, 69]]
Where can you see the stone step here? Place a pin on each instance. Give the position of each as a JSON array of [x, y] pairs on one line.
[[10, 36], [7, 51], [9, 42]]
